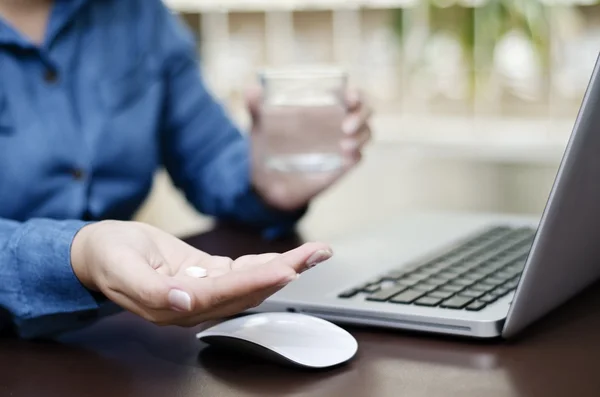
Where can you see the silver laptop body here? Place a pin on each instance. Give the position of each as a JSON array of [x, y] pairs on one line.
[[558, 259]]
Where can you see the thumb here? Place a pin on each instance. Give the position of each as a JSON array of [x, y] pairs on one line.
[[253, 101]]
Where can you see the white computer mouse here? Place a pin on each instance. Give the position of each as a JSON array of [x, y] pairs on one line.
[[286, 338]]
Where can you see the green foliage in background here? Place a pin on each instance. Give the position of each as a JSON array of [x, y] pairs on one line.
[[488, 23], [485, 25], [497, 17]]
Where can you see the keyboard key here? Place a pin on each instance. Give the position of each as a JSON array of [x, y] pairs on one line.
[[512, 283], [472, 263], [441, 294], [446, 275], [472, 293], [504, 276], [370, 288], [473, 276], [394, 275], [457, 302], [428, 301], [436, 281], [458, 269], [500, 292], [496, 293], [452, 288], [484, 271], [425, 287], [494, 280], [348, 294], [408, 282], [462, 282], [476, 306], [436, 267], [507, 274], [418, 275], [384, 283], [429, 271], [385, 294], [517, 266], [490, 268], [482, 287], [408, 296], [514, 269], [488, 298]]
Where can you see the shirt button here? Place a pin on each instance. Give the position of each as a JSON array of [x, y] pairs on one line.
[[78, 174], [50, 76]]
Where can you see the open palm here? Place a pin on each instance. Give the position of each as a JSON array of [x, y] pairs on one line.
[[145, 271]]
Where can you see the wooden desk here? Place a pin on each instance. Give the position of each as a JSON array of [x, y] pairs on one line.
[[124, 356]]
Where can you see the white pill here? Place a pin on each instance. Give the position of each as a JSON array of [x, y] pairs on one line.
[[196, 272]]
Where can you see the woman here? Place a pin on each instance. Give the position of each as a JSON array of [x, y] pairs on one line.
[[95, 95]]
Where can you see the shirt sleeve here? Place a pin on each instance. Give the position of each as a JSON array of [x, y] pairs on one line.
[[203, 151], [39, 292]]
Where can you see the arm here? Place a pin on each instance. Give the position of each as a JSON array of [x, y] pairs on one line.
[[205, 154], [38, 288]]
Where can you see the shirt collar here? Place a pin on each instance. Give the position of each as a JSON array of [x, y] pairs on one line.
[[62, 13], [8, 35]]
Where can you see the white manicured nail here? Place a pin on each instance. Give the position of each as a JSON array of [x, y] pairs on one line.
[[318, 257], [180, 300], [353, 98]]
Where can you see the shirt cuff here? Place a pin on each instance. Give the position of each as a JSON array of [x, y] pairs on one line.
[[48, 285], [273, 223], [282, 223]]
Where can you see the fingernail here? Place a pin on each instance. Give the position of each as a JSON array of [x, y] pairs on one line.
[[349, 145], [350, 126], [353, 98], [318, 257], [180, 301]]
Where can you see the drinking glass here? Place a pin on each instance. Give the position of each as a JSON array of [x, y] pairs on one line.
[[301, 120]]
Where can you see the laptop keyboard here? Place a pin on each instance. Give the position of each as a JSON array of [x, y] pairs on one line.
[[469, 277]]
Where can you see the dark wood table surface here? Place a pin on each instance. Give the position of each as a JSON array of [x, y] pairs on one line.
[[125, 356]]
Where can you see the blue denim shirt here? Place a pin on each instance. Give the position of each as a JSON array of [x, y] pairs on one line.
[[86, 118]]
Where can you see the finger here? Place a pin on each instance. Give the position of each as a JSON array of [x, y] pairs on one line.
[[357, 121], [277, 273], [125, 302], [235, 292], [225, 309], [304, 257], [353, 144], [253, 101], [231, 309], [252, 260], [353, 100], [351, 160]]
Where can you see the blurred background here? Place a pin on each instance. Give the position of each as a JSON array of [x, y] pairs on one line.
[[474, 99]]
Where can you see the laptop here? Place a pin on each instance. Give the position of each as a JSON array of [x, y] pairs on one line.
[[472, 275]]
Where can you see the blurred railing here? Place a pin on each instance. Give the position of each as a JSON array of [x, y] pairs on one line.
[[506, 76]]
